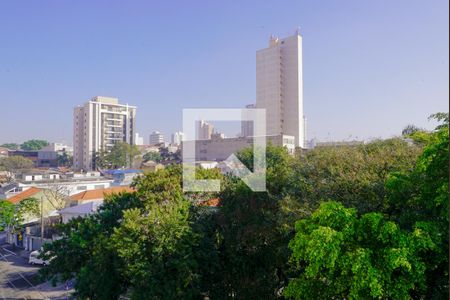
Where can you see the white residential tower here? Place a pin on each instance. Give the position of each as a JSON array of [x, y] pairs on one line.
[[279, 87], [98, 125]]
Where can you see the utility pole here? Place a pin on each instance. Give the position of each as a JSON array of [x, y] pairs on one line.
[[42, 220]]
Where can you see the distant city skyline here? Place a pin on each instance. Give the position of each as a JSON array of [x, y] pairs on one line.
[[370, 68]]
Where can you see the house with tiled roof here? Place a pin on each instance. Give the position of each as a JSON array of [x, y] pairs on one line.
[[97, 195], [50, 200], [29, 193], [27, 234]]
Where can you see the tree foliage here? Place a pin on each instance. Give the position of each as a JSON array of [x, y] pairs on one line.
[[120, 156], [145, 241], [65, 159], [349, 222], [419, 198], [13, 215], [339, 255], [152, 156], [33, 145], [11, 146], [353, 175], [410, 129], [15, 163]]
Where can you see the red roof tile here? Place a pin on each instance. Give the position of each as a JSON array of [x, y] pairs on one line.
[[24, 195], [100, 193]]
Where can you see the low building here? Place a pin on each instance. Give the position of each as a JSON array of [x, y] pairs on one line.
[[97, 195], [28, 233], [79, 211], [31, 155], [47, 159], [58, 147], [220, 149], [68, 183]]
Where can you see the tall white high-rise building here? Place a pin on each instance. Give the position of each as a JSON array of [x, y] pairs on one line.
[[205, 130], [156, 138], [98, 125], [279, 87], [177, 138]]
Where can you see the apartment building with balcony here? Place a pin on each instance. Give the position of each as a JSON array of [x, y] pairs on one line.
[[98, 125]]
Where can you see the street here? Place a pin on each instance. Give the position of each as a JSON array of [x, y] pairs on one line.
[[19, 280]]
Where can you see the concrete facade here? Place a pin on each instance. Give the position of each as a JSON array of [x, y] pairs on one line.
[[98, 125], [279, 87], [204, 131], [177, 138], [221, 149], [156, 138], [247, 126]]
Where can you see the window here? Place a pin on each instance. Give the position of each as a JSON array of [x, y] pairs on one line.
[[81, 188]]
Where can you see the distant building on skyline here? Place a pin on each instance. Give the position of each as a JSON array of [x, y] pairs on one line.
[[279, 87], [156, 138], [220, 149], [177, 138], [247, 126], [138, 140], [205, 130], [98, 125]]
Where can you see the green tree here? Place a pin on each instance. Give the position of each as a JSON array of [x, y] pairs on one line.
[[410, 129], [11, 146], [121, 155], [339, 255], [419, 198], [441, 117], [168, 156], [157, 243], [145, 241], [85, 251], [153, 156], [33, 145], [6, 214], [14, 163], [253, 244], [13, 215], [65, 160], [353, 175]]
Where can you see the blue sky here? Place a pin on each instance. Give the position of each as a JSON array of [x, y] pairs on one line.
[[370, 67]]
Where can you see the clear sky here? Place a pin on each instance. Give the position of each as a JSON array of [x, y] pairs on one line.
[[370, 67]]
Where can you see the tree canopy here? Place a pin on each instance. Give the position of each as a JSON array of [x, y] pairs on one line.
[[349, 222], [33, 145], [11, 146], [14, 163], [120, 156], [339, 255], [152, 156]]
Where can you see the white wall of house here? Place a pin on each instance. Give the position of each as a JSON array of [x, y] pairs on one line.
[[71, 188]]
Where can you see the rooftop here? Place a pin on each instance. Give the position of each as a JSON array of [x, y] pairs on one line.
[[101, 193], [24, 195]]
